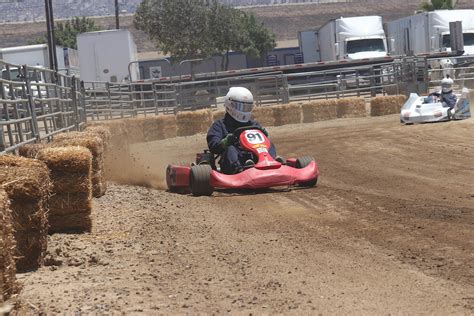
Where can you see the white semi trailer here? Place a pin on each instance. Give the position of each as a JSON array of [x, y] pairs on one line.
[[35, 55], [105, 55], [428, 32], [352, 38]]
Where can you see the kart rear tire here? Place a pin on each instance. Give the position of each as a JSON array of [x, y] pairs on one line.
[[200, 180], [303, 162]]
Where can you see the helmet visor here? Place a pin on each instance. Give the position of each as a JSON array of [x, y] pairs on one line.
[[242, 106]]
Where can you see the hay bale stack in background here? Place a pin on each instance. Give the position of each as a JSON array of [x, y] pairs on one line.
[[96, 147], [218, 115], [31, 150], [321, 110], [264, 115], [193, 122], [287, 114], [351, 107], [8, 284], [159, 127], [27, 184], [71, 203], [386, 105]]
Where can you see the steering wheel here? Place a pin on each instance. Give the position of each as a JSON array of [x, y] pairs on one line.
[[239, 130]]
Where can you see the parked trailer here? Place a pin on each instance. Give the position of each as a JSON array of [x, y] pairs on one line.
[[37, 55], [352, 38], [309, 46], [105, 56], [428, 32]]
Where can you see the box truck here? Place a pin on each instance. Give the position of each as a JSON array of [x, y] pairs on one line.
[[352, 38], [309, 46], [105, 55], [36, 55], [428, 32]]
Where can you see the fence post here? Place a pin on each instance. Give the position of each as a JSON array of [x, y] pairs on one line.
[[74, 103], [31, 105]]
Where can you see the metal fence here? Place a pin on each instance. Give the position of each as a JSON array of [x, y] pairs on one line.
[[37, 103]]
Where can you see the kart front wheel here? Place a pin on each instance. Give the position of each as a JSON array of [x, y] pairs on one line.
[[200, 180], [303, 162]]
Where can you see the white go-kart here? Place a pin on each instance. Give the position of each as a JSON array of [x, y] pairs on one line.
[[418, 109]]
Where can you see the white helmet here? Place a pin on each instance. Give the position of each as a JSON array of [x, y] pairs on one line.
[[447, 85], [239, 103]]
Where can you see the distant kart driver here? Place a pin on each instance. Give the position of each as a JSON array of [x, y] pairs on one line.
[[446, 95], [220, 138]]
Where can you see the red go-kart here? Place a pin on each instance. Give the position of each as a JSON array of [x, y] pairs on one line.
[[203, 177]]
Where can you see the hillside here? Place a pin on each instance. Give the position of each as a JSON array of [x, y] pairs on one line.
[[284, 20]]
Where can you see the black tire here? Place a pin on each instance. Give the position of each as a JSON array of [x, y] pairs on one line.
[[303, 162], [200, 180]]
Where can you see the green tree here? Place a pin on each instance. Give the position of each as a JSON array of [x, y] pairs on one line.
[[438, 5], [199, 28], [66, 32]]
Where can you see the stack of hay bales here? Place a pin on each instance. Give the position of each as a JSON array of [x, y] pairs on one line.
[[134, 129], [264, 115], [71, 204], [287, 114], [320, 110], [159, 127], [27, 184], [96, 146], [385, 105], [8, 284], [351, 107], [193, 122]]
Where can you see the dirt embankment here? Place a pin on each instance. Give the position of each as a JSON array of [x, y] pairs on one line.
[[389, 229]]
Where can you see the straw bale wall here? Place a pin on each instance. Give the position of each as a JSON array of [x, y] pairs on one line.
[[8, 284], [287, 114], [386, 105], [27, 184], [218, 115], [96, 146], [321, 110], [31, 150], [194, 122], [351, 107], [71, 204], [264, 115], [159, 127]]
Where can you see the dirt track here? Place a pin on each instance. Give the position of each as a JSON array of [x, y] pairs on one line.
[[389, 229]]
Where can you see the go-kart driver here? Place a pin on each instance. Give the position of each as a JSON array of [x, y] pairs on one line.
[[220, 138], [446, 96]]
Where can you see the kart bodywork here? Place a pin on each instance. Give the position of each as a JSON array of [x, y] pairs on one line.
[[203, 177], [418, 110]]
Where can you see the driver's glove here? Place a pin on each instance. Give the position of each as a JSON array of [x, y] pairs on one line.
[[227, 141], [264, 130]]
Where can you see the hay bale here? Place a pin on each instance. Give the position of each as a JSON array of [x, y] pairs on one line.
[[96, 147], [31, 150], [264, 115], [8, 284], [193, 122], [71, 169], [77, 222], [351, 107], [287, 114], [321, 110], [159, 127], [102, 131], [385, 105], [27, 184], [218, 115]]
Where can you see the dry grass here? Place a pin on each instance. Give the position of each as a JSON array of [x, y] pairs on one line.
[[27, 184], [351, 107], [31, 150], [218, 115], [386, 105], [8, 283], [287, 114]]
